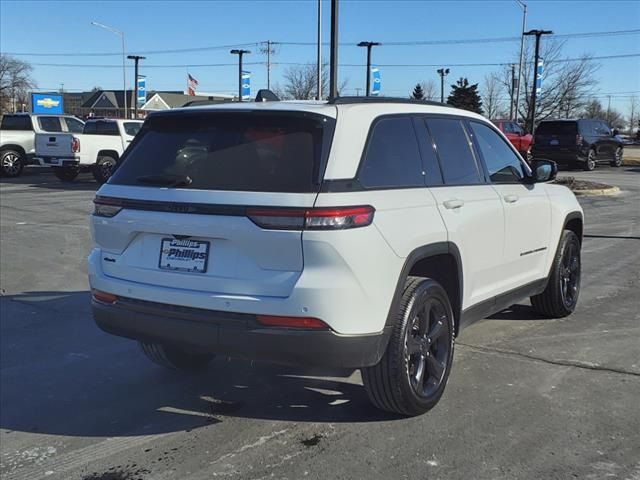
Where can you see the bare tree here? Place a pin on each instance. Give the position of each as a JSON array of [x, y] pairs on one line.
[[300, 82], [15, 82], [492, 88], [594, 109], [566, 86], [430, 90], [633, 113]]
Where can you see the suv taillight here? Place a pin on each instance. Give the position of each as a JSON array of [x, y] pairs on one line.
[[106, 206], [324, 218], [579, 140], [75, 145]]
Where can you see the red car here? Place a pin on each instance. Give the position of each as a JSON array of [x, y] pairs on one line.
[[516, 136]]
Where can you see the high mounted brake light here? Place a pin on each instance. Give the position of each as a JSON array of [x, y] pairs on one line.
[[106, 206], [324, 218]]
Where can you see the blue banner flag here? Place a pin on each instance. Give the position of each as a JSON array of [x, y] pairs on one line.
[[142, 90], [47, 103], [375, 73], [539, 72], [246, 85]]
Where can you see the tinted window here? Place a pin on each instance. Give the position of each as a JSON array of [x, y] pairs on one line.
[[503, 165], [231, 151], [16, 122], [507, 127], [107, 128], [50, 124], [132, 128], [456, 158], [433, 175], [74, 126], [392, 157], [89, 128], [603, 129], [515, 128], [557, 128]]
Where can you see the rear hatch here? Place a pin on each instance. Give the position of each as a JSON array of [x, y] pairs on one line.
[[54, 144], [192, 203], [556, 136]]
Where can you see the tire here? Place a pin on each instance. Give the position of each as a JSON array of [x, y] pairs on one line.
[[103, 168], [418, 343], [590, 162], [66, 174], [560, 297], [617, 158], [175, 358], [11, 163]]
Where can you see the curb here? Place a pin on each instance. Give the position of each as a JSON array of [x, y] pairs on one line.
[[597, 192], [630, 162]]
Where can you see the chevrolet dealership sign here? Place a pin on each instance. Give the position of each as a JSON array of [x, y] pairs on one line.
[[47, 103]]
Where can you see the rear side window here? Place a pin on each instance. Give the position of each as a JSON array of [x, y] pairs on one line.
[[502, 163], [16, 122], [107, 128], [230, 151], [73, 125], [50, 124], [392, 157], [132, 128], [557, 128], [457, 162]]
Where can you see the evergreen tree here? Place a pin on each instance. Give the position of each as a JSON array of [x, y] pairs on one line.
[[465, 96], [418, 93]]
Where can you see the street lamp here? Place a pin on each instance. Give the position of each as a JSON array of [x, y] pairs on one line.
[[240, 53], [534, 89], [524, 25], [124, 70], [369, 45], [443, 72], [136, 59]]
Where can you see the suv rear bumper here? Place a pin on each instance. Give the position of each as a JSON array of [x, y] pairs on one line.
[[236, 335]]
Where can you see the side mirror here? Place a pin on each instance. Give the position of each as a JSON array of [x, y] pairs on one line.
[[543, 171], [615, 132]]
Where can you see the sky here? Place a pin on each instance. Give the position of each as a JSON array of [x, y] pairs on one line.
[[64, 28]]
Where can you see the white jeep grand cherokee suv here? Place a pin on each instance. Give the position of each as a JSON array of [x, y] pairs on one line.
[[357, 232]]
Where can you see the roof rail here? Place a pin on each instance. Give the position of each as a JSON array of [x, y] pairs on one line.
[[350, 100]]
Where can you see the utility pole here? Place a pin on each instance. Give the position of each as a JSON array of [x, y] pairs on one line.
[[609, 110], [268, 51], [240, 53], [333, 57], [443, 72], [358, 91], [136, 59], [319, 52], [513, 86], [524, 26], [62, 88], [124, 70], [534, 86], [368, 45]]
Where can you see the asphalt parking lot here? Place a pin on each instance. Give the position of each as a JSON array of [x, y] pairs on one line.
[[528, 398]]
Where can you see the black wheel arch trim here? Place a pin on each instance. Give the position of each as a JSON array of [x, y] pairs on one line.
[[13, 147]]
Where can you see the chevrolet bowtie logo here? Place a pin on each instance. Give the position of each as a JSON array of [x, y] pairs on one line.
[[48, 102]]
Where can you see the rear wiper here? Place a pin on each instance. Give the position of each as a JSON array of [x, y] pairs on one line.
[[170, 181]]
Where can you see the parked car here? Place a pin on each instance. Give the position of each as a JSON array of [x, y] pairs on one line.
[[581, 142], [516, 135], [360, 232], [17, 137], [96, 149]]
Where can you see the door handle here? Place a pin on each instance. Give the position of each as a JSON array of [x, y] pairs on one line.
[[511, 198], [453, 203]]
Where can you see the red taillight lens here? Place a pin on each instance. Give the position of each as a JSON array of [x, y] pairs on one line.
[[292, 322], [75, 145], [104, 297], [578, 140], [106, 206], [329, 218]]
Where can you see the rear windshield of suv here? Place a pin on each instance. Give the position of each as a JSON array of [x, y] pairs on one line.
[[247, 151], [557, 128], [16, 122]]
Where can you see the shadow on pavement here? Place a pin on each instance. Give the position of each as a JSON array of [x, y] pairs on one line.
[[518, 312], [43, 178]]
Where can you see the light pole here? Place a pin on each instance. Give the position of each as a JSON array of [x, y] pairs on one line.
[[319, 52], [124, 69], [136, 59], [333, 55], [443, 72], [534, 90], [368, 45], [524, 25], [240, 53]]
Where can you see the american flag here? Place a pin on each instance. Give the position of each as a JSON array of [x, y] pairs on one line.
[[192, 83]]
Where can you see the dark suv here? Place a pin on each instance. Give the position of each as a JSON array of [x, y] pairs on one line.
[[577, 142]]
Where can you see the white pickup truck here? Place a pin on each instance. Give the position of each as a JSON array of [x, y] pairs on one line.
[[96, 149], [17, 137]]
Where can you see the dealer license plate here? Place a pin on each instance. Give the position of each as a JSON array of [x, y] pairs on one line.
[[184, 255]]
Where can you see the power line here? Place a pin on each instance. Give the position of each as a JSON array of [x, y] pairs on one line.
[[346, 44]]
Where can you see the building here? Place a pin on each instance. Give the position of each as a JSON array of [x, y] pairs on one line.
[[167, 100]]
